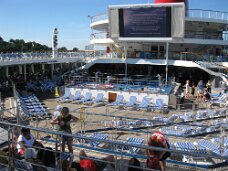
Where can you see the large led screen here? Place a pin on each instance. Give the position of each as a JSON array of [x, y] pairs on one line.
[[145, 22]]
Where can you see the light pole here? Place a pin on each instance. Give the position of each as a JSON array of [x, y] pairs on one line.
[[55, 43]]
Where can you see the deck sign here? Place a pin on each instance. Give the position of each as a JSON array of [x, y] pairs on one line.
[[145, 22]]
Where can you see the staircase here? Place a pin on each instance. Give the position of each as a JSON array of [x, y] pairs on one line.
[[205, 66]]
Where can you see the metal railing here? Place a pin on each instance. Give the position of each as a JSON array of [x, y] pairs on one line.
[[99, 17], [210, 14], [101, 54], [117, 148], [193, 13]]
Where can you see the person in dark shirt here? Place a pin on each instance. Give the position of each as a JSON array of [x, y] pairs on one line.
[[64, 121]]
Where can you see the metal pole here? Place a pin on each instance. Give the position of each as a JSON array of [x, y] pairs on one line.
[[125, 58], [167, 62], [25, 72]]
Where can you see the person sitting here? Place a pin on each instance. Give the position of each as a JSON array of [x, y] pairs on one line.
[[66, 166], [158, 140], [25, 140], [93, 165], [206, 96], [48, 158], [134, 165]]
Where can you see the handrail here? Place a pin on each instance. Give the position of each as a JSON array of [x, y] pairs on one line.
[[210, 14], [117, 143], [194, 13]]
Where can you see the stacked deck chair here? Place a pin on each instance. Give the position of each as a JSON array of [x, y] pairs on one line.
[[145, 103], [119, 100], [132, 141], [30, 106], [160, 105], [99, 98], [212, 147], [131, 103], [88, 98], [190, 147], [76, 96], [65, 96], [220, 101], [97, 137]]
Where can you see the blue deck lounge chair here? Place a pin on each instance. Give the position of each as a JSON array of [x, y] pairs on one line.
[[95, 143], [134, 141]]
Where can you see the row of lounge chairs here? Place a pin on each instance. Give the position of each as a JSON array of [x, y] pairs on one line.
[[30, 106], [146, 102], [99, 136], [201, 146], [220, 100]]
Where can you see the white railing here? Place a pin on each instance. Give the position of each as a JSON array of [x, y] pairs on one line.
[[193, 13], [100, 35], [99, 17], [10, 57], [199, 13]]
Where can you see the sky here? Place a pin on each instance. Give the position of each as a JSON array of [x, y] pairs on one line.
[[34, 20]]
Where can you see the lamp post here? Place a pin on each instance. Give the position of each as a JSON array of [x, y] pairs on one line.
[[55, 43]]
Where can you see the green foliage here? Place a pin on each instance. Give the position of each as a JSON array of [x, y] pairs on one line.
[[75, 49], [62, 49], [19, 45]]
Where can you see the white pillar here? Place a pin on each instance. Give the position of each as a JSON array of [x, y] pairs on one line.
[[167, 62], [32, 68], [125, 58], [25, 73], [43, 68], [7, 72], [20, 69]]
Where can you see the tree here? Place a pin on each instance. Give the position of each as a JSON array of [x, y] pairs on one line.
[[62, 49], [75, 49], [1, 39]]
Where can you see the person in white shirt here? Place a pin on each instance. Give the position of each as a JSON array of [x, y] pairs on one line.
[[57, 111], [187, 89], [25, 140]]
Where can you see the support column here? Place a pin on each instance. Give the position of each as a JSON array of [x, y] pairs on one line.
[[7, 72], [52, 70], [32, 68], [167, 63], [20, 69], [43, 68], [25, 74], [125, 58]]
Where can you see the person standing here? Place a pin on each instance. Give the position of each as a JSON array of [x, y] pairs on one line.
[[187, 89], [200, 89], [208, 85], [193, 89], [64, 121]]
